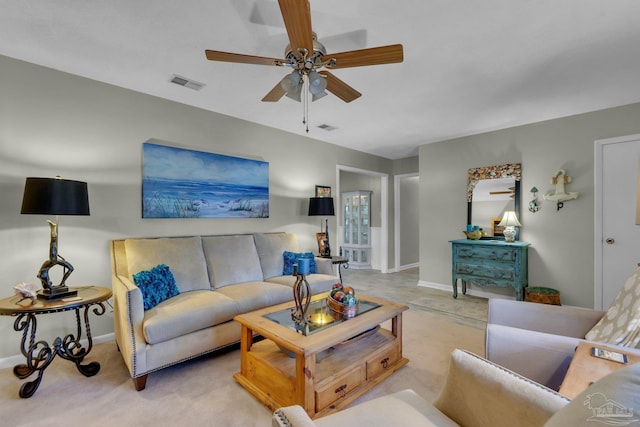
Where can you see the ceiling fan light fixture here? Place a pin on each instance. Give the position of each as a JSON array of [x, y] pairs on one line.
[[292, 85], [316, 96], [317, 83]]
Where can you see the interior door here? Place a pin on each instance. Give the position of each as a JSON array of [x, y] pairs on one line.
[[618, 240]]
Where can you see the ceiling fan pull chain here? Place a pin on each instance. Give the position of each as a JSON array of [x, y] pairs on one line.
[[305, 90]]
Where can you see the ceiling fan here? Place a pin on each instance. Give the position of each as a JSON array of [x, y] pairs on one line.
[[306, 55]]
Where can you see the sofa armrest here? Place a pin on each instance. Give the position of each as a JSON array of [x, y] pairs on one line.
[[291, 416], [480, 393], [552, 319], [325, 266], [128, 310]]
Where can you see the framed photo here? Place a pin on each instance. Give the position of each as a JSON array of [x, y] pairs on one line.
[[322, 242], [322, 191], [496, 230]]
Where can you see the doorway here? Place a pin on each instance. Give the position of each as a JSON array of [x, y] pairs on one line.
[[406, 222], [379, 253], [617, 237]]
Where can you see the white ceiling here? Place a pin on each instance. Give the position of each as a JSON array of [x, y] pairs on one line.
[[470, 65]]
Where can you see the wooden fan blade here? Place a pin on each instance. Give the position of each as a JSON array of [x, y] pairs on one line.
[[216, 55], [340, 88], [297, 18], [372, 56], [275, 94]]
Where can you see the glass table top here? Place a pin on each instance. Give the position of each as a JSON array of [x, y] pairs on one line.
[[320, 314]]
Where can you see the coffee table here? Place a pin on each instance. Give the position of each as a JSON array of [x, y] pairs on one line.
[[328, 368]]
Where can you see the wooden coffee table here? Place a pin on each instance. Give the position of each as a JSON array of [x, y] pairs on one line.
[[586, 369], [327, 369]]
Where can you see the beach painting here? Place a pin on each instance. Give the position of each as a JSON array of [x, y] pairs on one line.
[[182, 183]]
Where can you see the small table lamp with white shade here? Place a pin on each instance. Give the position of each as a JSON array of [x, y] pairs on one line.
[[509, 222]]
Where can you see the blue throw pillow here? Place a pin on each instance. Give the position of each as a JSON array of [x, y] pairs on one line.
[[156, 285], [291, 258]]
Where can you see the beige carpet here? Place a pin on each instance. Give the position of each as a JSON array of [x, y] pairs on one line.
[[465, 307], [202, 392]]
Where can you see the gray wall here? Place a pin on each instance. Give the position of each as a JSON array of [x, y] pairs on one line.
[[561, 253], [53, 123], [409, 220]]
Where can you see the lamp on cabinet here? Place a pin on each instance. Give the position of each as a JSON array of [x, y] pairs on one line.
[[509, 222], [322, 206]]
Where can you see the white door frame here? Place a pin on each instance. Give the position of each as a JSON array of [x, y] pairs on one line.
[[396, 216], [598, 214], [384, 214]]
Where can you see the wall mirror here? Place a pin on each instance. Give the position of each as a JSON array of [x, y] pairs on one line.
[[491, 191]]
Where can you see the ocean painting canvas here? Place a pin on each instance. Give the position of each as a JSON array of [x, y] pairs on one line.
[[182, 183]]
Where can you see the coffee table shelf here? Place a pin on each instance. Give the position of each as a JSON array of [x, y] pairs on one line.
[[328, 371]]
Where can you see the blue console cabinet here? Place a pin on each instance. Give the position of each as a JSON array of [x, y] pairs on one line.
[[490, 263]]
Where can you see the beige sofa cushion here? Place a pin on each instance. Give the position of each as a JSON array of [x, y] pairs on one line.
[[255, 295], [183, 255], [231, 259], [186, 313], [271, 247], [404, 408], [317, 282]]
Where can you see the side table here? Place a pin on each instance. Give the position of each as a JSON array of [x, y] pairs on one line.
[[586, 369], [341, 262], [40, 354]]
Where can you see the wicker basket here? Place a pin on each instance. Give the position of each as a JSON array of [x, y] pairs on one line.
[[341, 311], [542, 295]]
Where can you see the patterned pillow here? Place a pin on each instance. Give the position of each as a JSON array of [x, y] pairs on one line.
[[156, 285], [621, 324], [291, 258]]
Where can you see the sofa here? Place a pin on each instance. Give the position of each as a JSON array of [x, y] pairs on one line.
[[539, 340], [476, 393], [217, 278], [480, 393]]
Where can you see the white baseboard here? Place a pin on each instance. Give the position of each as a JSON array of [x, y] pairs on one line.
[[11, 361], [408, 266], [472, 292], [403, 267]]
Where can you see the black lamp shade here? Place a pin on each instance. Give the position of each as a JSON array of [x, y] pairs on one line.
[[321, 206], [55, 196]]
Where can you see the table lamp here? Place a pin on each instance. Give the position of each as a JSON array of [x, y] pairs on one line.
[[509, 222], [55, 196], [322, 206]]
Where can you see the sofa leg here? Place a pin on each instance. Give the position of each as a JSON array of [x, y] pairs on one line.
[[140, 382]]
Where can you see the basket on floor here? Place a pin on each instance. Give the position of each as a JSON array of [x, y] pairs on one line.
[[542, 295]]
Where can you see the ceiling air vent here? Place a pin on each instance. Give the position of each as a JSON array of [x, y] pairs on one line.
[[327, 127], [183, 81]]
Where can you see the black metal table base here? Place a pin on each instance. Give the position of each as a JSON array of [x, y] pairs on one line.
[[40, 354]]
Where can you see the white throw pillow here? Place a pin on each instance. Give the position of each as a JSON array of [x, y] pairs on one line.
[[621, 324]]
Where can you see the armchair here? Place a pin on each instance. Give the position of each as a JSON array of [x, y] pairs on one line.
[[538, 340], [476, 392]]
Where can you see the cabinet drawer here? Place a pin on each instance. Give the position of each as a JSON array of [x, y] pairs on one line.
[[486, 271], [381, 361], [488, 253], [339, 387]]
